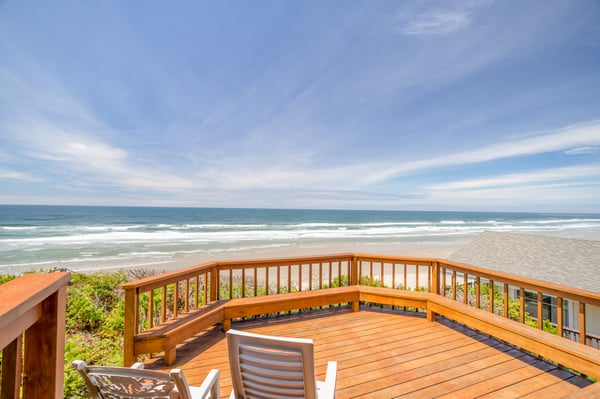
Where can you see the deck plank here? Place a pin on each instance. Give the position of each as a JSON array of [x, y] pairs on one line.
[[382, 354]]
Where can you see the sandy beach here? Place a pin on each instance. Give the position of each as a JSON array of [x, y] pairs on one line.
[[397, 249], [400, 249]]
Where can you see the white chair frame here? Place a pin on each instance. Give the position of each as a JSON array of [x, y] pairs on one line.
[[271, 367], [106, 382]]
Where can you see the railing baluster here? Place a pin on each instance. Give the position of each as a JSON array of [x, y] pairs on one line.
[[267, 287], [310, 272], [163, 308], [559, 316], [289, 282], [454, 285], [175, 298], [478, 292], [429, 278], [491, 296], [416, 277], [522, 305], [405, 278], [243, 282], [582, 330], [465, 288], [206, 288], [150, 309], [255, 281], [321, 275], [230, 283], [540, 310], [187, 295], [196, 290], [506, 300]]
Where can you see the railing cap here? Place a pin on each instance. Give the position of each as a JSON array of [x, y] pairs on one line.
[[23, 293]]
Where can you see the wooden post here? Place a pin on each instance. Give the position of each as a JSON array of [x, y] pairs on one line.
[[491, 295], [465, 288], [130, 325], [11, 370], [214, 283], [522, 305], [43, 370], [435, 276], [354, 279], [454, 285], [430, 315], [540, 310], [506, 300], [559, 315], [478, 292], [582, 331]]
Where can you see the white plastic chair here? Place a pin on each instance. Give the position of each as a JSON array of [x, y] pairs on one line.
[[105, 382], [264, 366]]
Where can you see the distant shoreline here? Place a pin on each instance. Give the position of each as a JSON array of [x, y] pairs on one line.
[[92, 239]]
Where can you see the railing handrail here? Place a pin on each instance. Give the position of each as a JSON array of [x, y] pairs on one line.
[[32, 335], [151, 282], [573, 293], [15, 301], [564, 291]]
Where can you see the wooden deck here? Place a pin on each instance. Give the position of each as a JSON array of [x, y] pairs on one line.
[[384, 355]]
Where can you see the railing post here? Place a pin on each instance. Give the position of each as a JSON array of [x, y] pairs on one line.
[[559, 316], [582, 332], [436, 278], [354, 280], [214, 283], [130, 325], [43, 367], [11, 370]]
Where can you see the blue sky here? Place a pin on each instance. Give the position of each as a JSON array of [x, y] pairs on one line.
[[416, 105]]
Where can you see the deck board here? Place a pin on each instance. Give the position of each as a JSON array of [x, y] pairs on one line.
[[381, 354]]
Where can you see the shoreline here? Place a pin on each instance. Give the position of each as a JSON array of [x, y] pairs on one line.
[[441, 249]]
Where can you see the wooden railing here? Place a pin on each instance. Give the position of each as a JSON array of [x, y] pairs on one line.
[[492, 290], [32, 335], [159, 307]]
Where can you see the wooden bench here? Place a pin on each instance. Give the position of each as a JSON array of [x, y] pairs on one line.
[[166, 337], [568, 353], [253, 306]]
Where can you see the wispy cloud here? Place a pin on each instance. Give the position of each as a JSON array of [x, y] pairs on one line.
[[588, 149], [438, 23], [451, 17], [572, 174], [20, 176]]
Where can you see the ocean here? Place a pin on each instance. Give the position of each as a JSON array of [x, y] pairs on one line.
[[104, 238]]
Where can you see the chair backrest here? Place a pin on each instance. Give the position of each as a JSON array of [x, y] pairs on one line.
[[105, 382], [264, 366]]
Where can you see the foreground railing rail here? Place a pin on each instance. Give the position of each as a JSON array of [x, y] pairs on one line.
[[32, 335], [158, 308]]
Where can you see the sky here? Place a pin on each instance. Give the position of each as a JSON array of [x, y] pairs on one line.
[[409, 105]]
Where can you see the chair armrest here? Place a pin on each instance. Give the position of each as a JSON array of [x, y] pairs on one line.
[[331, 378], [211, 385]]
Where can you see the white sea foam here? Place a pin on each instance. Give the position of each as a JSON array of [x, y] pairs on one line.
[[105, 242]]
